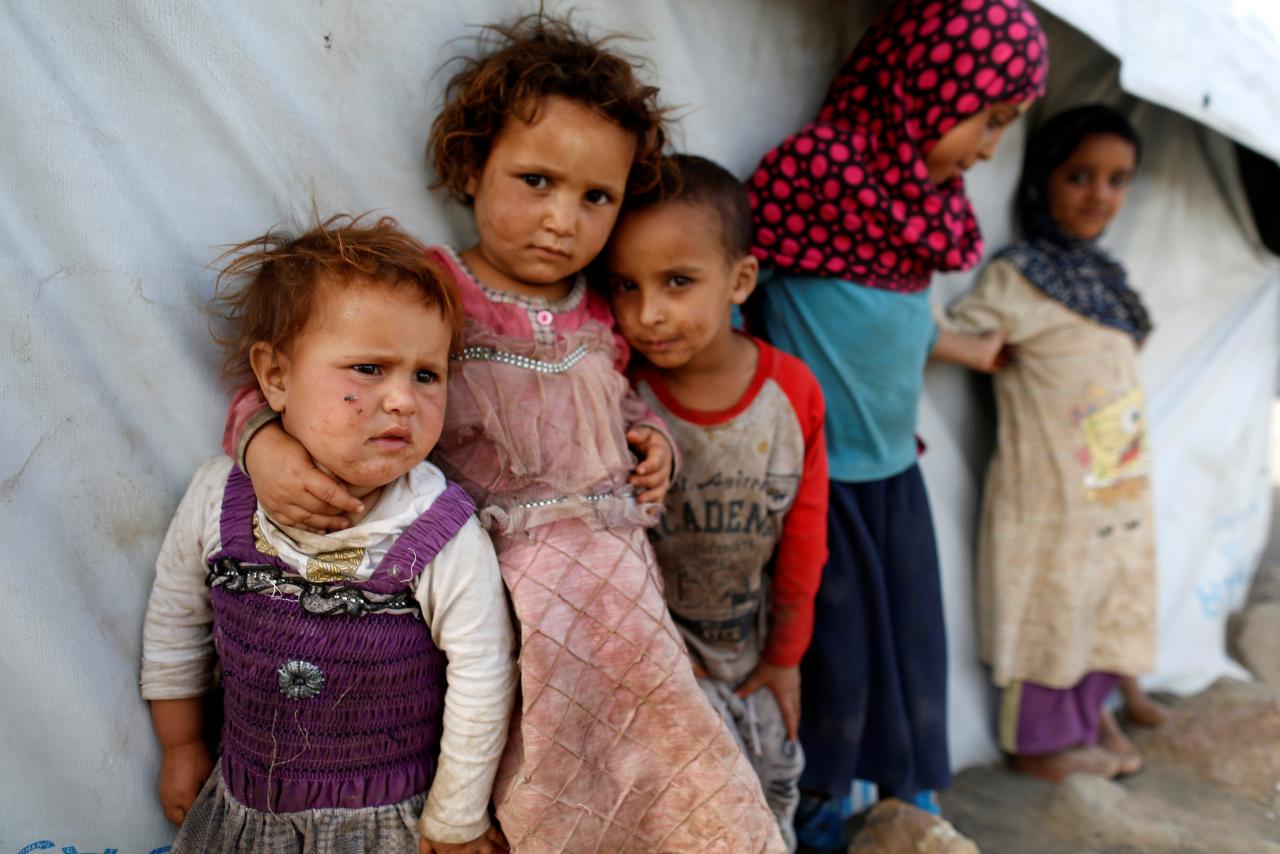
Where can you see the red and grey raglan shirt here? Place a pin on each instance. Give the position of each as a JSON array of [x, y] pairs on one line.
[[746, 515]]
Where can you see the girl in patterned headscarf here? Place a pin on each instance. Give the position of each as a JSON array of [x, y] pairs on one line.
[[1067, 601], [854, 213]]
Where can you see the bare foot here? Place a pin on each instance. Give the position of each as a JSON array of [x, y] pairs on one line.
[[1056, 767], [1112, 739], [1140, 708], [1129, 763]]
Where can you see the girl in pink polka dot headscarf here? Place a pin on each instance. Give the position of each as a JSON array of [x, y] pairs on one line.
[[858, 193], [852, 215]]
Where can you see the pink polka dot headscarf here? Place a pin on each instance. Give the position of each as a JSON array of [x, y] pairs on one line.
[[849, 196]]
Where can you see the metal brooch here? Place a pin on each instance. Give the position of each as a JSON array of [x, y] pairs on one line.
[[300, 680]]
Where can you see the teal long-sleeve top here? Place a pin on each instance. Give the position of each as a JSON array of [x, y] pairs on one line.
[[868, 349]]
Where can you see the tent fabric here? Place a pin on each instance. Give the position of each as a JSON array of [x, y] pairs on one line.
[[141, 136], [1213, 62]]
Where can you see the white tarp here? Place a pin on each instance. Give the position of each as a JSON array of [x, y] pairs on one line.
[[1213, 61], [139, 136]]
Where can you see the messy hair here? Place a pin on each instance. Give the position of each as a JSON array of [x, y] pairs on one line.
[[267, 289], [521, 63], [698, 181]]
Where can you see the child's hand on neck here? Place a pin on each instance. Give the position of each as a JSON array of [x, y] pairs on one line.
[[367, 495]]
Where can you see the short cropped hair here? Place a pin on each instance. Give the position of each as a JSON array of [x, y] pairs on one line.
[[267, 289], [698, 181], [521, 63]]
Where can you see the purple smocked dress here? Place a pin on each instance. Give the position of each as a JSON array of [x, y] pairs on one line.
[[333, 695]]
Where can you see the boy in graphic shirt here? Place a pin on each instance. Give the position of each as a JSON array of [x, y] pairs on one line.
[[743, 540]]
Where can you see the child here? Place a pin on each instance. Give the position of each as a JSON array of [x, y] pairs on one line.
[[615, 747], [367, 675], [1067, 552], [748, 421], [854, 213]]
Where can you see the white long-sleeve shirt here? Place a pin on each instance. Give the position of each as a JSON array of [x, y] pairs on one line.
[[463, 604]]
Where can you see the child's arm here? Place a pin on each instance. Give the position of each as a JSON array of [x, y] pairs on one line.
[[655, 471], [177, 643], [286, 481], [184, 762], [465, 605], [799, 557], [1002, 303], [984, 352]]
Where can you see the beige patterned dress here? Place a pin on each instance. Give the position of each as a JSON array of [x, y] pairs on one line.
[[1066, 555]]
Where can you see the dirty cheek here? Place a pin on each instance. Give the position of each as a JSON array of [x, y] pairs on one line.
[[340, 420]]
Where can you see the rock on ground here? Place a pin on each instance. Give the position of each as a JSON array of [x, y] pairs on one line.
[[895, 827], [1228, 734]]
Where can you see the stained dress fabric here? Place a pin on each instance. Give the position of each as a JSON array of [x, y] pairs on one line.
[[614, 747], [360, 714], [1066, 555]]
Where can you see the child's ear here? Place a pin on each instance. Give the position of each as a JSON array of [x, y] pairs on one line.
[[271, 367], [744, 278]]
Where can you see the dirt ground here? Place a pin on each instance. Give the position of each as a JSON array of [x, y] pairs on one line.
[[1211, 784]]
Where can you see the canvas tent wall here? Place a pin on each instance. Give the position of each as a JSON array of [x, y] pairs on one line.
[[141, 135]]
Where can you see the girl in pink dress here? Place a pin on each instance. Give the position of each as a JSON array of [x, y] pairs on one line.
[[614, 747]]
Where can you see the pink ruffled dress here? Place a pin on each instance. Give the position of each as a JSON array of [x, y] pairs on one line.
[[614, 747]]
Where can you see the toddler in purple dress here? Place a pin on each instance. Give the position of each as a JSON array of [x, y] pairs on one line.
[[368, 674]]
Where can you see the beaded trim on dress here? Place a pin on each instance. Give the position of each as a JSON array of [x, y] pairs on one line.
[[568, 302], [504, 357], [320, 599]]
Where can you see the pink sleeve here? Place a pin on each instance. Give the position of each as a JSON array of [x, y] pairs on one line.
[[247, 403]]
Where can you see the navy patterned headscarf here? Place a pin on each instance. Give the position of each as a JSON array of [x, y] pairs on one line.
[[1069, 269]]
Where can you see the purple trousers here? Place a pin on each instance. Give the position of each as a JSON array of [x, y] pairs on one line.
[[1036, 720]]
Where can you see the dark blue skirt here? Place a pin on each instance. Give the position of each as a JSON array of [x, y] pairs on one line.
[[874, 681]]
